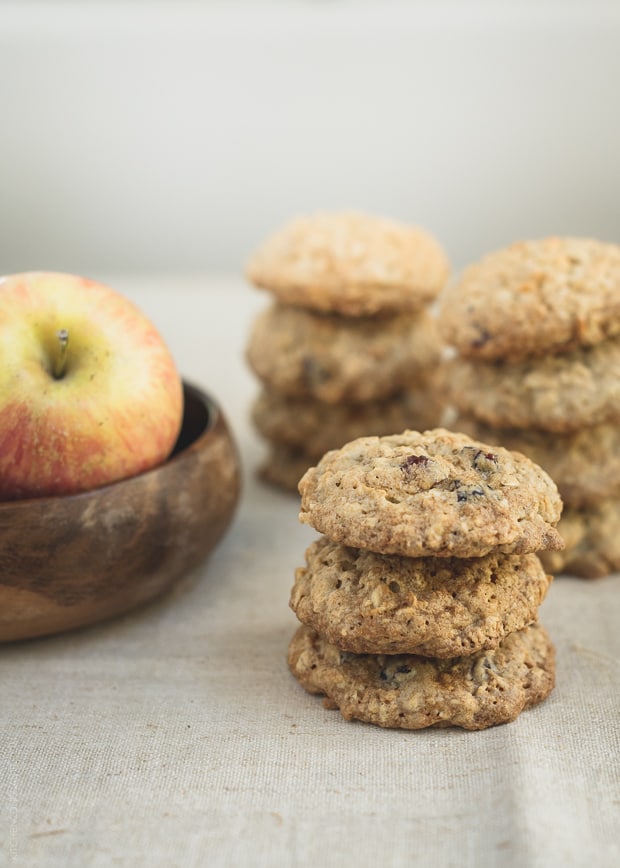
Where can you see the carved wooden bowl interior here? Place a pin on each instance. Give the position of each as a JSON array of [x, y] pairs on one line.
[[69, 561]]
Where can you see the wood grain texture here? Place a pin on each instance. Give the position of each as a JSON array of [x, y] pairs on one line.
[[66, 562]]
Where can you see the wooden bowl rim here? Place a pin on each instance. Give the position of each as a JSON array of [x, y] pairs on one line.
[[214, 421]]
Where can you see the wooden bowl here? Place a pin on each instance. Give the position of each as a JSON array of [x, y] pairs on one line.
[[70, 561]]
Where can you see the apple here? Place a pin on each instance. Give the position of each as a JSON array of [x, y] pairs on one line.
[[89, 392]]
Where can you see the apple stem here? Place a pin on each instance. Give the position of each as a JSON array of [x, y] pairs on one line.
[[61, 358]]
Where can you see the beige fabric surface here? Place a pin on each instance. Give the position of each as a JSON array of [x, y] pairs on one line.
[[175, 736]]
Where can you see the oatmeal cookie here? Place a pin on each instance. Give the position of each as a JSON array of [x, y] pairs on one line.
[[411, 692], [558, 393], [333, 359], [534, 298], [436, 607], [317, 427], [584, 464], [283, 466], [350, 263], [592, 537], [436, 494]]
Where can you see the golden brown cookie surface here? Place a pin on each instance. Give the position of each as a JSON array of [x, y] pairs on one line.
[[584, 464], [435, 607], [317, 427], [534, 298], [436, 493], [556, 393], [410, 692], [332, 359], [350, 263], [592, 536]]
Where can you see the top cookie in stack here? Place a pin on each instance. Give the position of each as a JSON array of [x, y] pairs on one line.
[[433, 494], [533, 299], [350, 264], [348, 347], [537, 330]]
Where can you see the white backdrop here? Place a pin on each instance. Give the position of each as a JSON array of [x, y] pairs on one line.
[[154, 137]]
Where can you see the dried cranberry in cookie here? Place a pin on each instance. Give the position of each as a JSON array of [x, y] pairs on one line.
[[584, 464], [435, 493]]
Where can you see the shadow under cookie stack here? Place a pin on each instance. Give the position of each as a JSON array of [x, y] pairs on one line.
[[419, 604], [348, 346], [536, 328]]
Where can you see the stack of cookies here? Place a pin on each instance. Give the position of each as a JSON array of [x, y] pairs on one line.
[[348, 346], [419, 605], [536, 327]]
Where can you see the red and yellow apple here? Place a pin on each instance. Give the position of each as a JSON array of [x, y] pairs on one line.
[[89, 392]]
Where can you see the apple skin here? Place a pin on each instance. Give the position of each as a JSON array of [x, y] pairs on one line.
[[116, 410]]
